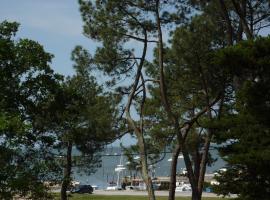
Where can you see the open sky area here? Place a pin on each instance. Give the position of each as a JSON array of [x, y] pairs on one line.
[[55, 24]]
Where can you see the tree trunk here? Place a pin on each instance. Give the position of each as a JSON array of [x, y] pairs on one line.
[[241, 14], [173, 172], [139, 130], [204, 163], [67, 172], [196, 191], [196, 195], [146, 178], [226, 17], [197, 161]]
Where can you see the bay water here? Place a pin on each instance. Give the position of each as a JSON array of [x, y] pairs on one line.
[[111, 158]]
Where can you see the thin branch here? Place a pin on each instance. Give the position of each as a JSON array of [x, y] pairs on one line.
[[137, 38], [203, 111], [142, 103], [128, 69], [137, 93], [152, 80], [148, 80], [119, 136], [162, 158], [259, 19], [122, 114], [137, 78]]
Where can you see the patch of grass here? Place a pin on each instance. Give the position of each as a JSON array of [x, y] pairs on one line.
[[114, 197]]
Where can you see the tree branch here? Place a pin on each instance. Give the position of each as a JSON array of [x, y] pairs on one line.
[[238, 11], [137, 38], [226, 17]]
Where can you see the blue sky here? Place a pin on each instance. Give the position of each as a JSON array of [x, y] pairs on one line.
[[56, 24]]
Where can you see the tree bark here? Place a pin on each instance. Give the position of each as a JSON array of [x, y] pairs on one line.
[[173, 171], [143, 151], [227, 19], [196, 195], [190, 172], [248, 30], [203, 163], [197, 161], [139, 130], [67, 172], [146, 178]]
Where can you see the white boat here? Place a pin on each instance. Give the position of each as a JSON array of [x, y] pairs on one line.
[[179, 157], [95, 187], [182, 187], [75, 183], [136, 158], [183, 171], [112, 186], [119, 169]]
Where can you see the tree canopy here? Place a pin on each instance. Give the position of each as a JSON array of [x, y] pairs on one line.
[[26, 82], [245, 130]]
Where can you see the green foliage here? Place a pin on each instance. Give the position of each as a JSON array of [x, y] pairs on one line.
[[246, 130], [27, 82], [118, 23], [249, 10], [192, 81], [83, 115]]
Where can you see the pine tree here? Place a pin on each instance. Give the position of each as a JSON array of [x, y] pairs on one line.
[[245, 131]]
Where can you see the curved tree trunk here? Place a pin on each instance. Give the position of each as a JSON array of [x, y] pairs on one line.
[[139, 130], [67, 172]]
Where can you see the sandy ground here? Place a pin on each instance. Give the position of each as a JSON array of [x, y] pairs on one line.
[[144, 193]]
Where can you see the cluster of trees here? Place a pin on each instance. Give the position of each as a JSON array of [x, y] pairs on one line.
[[206, 82], [44, 116], [245, 126], [188, 93], [26, 82]]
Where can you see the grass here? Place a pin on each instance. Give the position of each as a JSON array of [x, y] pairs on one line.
[[114, 197]]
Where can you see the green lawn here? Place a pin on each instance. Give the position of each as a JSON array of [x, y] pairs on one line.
[[100, 197]]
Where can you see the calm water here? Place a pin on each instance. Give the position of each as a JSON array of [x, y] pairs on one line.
[[106, 172]]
